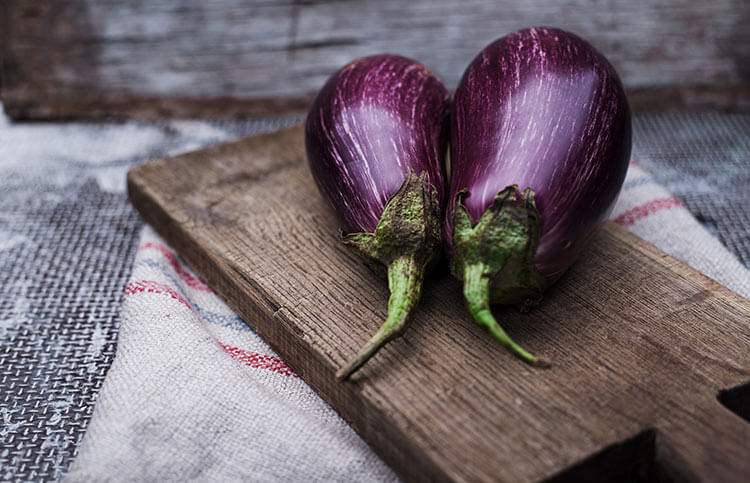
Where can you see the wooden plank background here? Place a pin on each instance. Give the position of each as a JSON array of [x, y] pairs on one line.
[[153, 58]]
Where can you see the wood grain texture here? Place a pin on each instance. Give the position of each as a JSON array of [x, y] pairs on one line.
[[641, 344], [96, 58]]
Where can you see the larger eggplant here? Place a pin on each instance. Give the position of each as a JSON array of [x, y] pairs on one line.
[[376, 137], [539, 109]]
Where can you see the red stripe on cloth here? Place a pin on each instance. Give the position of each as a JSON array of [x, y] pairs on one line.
[[642, 211], [259, 361], [191, 280], [633, 162], [150, 286]]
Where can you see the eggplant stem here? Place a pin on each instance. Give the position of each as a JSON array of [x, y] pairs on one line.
[[477, 296], [405, 277]]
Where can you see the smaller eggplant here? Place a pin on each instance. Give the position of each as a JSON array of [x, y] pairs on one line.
[[376, 137], [541, 109]]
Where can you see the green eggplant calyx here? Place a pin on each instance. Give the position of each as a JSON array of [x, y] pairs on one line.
[[495, 259], [407, 243]]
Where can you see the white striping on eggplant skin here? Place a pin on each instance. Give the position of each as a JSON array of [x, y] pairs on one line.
[[374, 120], [541, 108]]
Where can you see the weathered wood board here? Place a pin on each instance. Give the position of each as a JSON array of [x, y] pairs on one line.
[[641, 344], [156, 58]]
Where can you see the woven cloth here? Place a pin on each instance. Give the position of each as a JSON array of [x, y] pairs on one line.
[[703, 159], [72, 251], [67, 241]]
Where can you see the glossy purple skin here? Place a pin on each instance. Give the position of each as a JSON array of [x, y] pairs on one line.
[[541, 108], [372, 121]]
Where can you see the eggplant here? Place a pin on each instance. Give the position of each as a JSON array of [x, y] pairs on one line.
[[376, 139], [542, 110]]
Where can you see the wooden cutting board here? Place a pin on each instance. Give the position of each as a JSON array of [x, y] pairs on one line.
[[644, 349]]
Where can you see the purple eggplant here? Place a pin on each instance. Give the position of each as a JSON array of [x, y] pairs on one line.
[[376, 137], [541, 109]]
